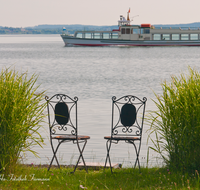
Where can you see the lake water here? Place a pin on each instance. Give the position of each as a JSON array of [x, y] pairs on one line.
[[94, 75]]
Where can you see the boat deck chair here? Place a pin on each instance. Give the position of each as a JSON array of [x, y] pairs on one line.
[[63, 126], [126, 124]]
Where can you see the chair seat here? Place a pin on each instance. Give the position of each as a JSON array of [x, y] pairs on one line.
[[71, 137], [122, 138]]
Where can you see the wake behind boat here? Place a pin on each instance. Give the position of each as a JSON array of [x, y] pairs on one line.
[[135, 35]]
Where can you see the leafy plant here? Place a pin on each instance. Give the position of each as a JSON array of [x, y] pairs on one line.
[[20, 116], [176, 124]]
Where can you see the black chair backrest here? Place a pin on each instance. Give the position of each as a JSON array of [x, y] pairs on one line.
[[62, 114], [127, 115]]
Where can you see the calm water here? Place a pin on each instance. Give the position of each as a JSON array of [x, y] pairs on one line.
[[94, 74]]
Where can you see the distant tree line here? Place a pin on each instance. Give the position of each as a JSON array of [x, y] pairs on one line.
[[10, 30], [53, 29], [58, 29]]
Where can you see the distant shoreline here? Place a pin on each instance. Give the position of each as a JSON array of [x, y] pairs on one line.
[[58, 29]]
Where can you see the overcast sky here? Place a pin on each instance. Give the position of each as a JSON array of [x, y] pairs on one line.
[[23, 13]]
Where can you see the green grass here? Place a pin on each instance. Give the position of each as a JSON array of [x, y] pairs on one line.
[[21, 115], [176, 124], [152, 178]]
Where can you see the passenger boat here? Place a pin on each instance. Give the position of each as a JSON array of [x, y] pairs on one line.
[[135, 35]]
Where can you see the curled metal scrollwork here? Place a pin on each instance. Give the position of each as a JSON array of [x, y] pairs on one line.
[[73, 132], [53, 130], [60, 127], [130, 99], [127, 129], [126, 98], [115, 132], [58, 96], [138, 132], [144, 99], [61, 97], [114, 98], [64, 128], [46, 98], [76, 98]]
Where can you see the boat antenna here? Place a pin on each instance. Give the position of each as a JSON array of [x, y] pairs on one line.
[[134, 17]]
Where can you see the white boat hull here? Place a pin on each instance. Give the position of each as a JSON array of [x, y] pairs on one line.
[[72, 41]]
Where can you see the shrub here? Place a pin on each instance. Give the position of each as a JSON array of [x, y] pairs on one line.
[[176, 124], [20, 116]]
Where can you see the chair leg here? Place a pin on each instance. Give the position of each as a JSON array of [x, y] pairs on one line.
[[108, 156], [81, 156], [54, 155], [137, 156]]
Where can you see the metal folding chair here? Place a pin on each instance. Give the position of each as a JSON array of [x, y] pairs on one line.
[[126, 124], [63, 125]]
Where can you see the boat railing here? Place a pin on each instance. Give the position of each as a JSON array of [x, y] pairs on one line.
[[180, 28], [67, 34]]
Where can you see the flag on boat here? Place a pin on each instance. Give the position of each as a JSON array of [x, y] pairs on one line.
[[128, 15], [64, 28]]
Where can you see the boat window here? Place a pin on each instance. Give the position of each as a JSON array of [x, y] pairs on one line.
[[79, 35], [166, 37], [193, 36], [114, 35], [175, 36], [136, 31], [156, 36], [123, 30], [88, 35], [146, 31], [142, 31], [184, 36], [106, 35], [97, 35], [128, 31]]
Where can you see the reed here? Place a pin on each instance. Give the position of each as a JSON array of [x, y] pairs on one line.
[[176, 123], [20, 117]]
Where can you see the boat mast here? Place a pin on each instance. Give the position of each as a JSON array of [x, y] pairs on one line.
[[128, 15]]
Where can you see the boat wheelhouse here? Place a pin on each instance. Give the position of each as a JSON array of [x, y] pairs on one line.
[[135, 35]]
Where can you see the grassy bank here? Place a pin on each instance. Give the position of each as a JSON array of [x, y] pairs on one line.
[[34, 177]]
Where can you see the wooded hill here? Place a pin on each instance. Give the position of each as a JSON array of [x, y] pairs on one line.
[[58, 29]]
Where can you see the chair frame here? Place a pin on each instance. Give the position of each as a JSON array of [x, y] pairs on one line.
[[64, 132], [120, 132]]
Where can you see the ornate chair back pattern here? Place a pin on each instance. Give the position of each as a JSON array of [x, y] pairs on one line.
[[127, 124], [63, 125], [60, 110], [127, 116]]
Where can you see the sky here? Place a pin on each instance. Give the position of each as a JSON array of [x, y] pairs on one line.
[[24, 13]]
